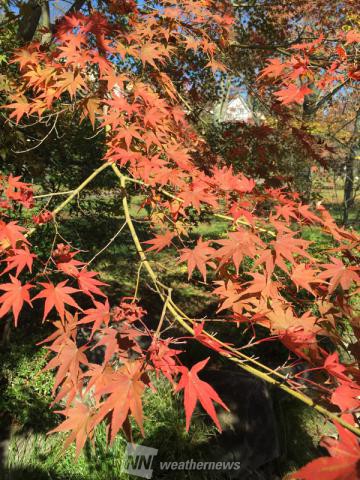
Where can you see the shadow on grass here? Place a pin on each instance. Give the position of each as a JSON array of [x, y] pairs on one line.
[[35, 474]]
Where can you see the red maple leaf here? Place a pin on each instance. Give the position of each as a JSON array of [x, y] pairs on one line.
[[163, 357], [109, 339], [154, 117], [274, 69], [180, 156], [305, 212], [88, 284], [309, 45], [225, 179], [296, 333], [64, 330], [345, 396], [342, 463], [198, 193], [65, 260], [70, 267], [43, 217], [285, 246], [98, 315], [57, 296], [14, 297], [19, 191], [200, 336], [292, 94], [10, 234], [334, 367], [128, 133], [198, 390], [19, 259]]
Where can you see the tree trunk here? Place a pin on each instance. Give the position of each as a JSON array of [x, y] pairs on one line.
[[30, 14], [5, 418], [349, 172], [305, 172]]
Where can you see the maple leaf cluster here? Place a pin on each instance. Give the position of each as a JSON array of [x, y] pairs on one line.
[[263, 271], [302, 74], [13, 191], [108, 391]]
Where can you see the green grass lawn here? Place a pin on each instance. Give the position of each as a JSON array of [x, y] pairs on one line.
[[37, 456], [331, 193]]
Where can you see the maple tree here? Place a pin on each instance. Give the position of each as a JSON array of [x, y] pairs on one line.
[[283, 150], [115, 69]]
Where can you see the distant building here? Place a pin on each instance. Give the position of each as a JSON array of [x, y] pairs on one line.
[[236, 110]]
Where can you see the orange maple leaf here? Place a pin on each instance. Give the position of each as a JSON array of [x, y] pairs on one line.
[[159, 242], [352, 36], [124, 396], [339, 274], [14, 297], [198, 257], [57, 296], [10, 234], [98, 315], [71, 81], [80, 422]]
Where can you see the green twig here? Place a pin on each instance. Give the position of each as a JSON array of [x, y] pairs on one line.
[[73, 194]]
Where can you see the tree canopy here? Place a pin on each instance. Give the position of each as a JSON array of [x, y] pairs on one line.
[[126, 91]]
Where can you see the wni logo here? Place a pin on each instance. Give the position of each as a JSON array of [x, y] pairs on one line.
[[138, 460]]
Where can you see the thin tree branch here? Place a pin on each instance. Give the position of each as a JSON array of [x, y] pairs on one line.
[[327, 97], [46, 195], [41, 141], [112, 239], [73, 194]]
